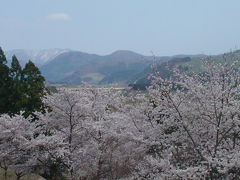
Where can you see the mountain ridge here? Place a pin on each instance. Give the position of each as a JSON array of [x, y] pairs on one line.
[[76, 67], [119, 67]]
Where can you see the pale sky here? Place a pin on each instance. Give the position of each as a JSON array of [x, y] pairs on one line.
[[165, 27]]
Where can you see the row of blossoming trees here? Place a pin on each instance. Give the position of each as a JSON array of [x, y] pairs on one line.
[[185, 127]]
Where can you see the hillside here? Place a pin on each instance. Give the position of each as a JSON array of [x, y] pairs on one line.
[[77, 67], [196, 63], [190, 63], [163, 69]]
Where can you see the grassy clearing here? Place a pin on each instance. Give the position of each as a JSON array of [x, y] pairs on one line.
[[95, 77], [11, 176]]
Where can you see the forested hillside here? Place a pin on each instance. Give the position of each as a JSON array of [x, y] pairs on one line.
[[121, 67], [189, 64], [79, 68]]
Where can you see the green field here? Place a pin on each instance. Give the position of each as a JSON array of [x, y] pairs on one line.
[[11, 176], [95, 77]]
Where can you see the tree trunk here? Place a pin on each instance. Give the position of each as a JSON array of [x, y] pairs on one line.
[[19, 177], [5, 174]]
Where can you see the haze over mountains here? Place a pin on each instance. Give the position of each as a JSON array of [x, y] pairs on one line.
[[39, 57], [74, 67], [77, 67]]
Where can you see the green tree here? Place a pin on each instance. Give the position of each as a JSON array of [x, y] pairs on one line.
[[16, 86], [16, 69], [33, 89], [5, 82], [20, 89]]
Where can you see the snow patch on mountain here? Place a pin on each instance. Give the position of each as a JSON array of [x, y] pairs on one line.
[[39, 57]]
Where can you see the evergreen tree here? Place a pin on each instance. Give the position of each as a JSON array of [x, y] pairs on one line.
[[16, 86], [5, 82], [20, 89], [33, 89], [3, 59], [16, 69]]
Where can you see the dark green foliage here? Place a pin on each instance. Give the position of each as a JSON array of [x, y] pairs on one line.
[[3, 59], [15, 97], [141, 87], [52, 89], [15, 71], [20, 89], [33, 89], [171, 129], [155, 150], [5, 82], [54, 170]]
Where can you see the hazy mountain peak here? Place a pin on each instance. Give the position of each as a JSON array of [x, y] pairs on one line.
[[39, 57], [124, 52]]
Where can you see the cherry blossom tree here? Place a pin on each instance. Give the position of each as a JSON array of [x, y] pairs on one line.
[[95, 130], [198, 122], [24, 147], [16, 135], [87, 132]]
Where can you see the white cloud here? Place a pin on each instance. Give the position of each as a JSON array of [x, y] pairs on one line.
[[59, 16]]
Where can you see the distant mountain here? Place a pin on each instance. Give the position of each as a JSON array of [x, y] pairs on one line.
[[77, 67], [122, 67], [39, 57]]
